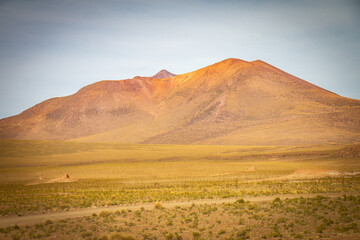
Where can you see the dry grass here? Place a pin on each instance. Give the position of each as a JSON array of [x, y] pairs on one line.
[[40, 161], [299, 218], [115, 174]]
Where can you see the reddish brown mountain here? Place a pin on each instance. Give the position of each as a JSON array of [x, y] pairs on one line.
[[230, 102], [163, 74]]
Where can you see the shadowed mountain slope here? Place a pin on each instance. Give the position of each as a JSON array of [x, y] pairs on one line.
[[230, 102]]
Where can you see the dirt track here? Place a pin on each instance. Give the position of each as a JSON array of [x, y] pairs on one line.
[[34, 219]]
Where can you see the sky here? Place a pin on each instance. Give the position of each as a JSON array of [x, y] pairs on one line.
[[51, 48]]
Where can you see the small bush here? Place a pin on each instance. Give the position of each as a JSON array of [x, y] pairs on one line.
[[170, 236], [244, 234], [104, 214], [299, 235], [119, 236], [320, 228], [196, 235], [15, 236], [158, 206], [346, 228], [240, 201], [103, 237], [48, 222]]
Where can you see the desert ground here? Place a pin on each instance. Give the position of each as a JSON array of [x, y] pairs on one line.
[[76, 190]]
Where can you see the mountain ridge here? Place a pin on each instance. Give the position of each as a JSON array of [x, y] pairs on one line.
[[230, 102]]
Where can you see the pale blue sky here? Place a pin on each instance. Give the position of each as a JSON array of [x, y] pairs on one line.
[[53, 48]]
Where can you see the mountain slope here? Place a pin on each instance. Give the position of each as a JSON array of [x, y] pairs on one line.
[[230, 102], [241, 98]]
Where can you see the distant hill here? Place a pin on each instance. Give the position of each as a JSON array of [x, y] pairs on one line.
[[229, 102], [163, 74]]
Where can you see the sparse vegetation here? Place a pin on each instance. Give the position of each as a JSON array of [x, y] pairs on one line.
[[87, 193], [219, 172], [152, 224]]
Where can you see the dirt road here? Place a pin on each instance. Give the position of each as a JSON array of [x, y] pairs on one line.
[[34, 219]]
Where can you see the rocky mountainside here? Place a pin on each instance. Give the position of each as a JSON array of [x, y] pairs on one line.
[[229, 102]]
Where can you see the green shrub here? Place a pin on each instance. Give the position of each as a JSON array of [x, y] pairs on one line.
[[119, 236]]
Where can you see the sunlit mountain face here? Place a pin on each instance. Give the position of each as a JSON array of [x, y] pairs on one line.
[[229, 102]]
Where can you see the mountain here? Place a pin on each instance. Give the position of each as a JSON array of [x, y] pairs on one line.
[[163, 74], [229, 102]]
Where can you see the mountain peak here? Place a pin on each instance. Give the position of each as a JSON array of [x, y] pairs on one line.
[[232, 102], [163, 74], [232, 61]]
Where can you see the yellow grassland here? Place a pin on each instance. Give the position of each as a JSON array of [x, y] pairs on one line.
[[23, 161]]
